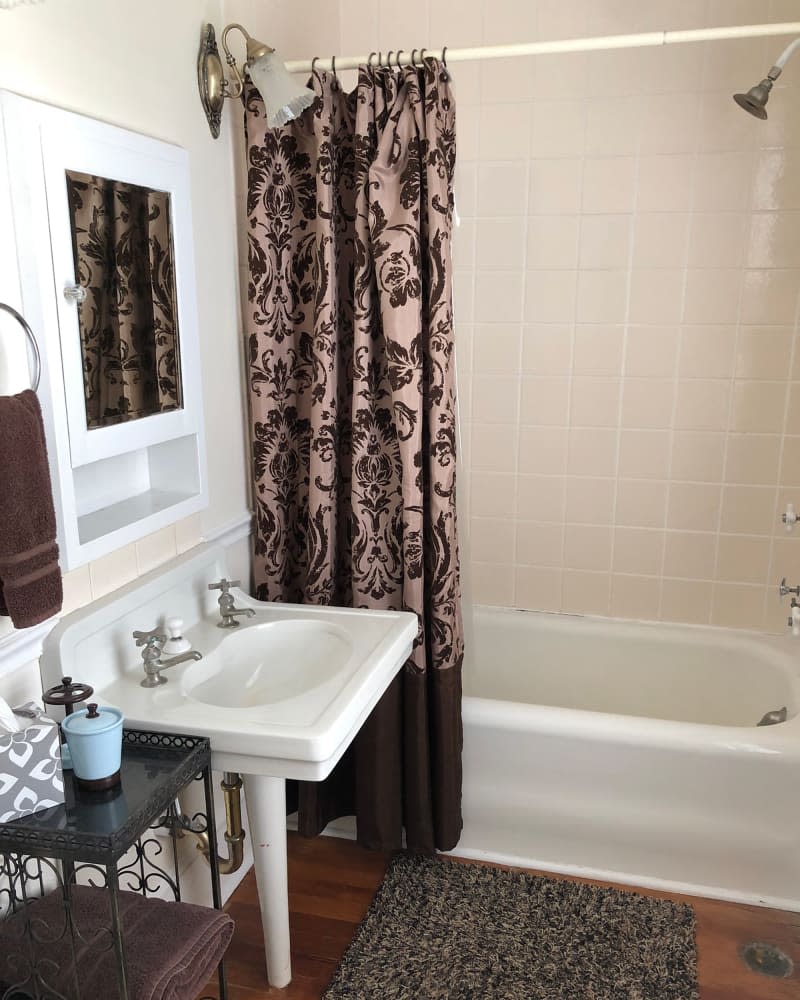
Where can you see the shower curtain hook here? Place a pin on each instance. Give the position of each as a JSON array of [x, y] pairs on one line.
[[422, 56], [333, 70], [380, 59], [369, 61], [444, 63], [389, 59], [398, 57], [414, 58]]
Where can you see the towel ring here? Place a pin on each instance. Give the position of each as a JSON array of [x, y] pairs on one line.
[[31, 340]]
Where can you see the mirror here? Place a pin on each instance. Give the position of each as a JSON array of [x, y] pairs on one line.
[[122, 243]]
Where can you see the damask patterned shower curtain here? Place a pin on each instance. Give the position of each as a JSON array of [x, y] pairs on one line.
[[353, 419]]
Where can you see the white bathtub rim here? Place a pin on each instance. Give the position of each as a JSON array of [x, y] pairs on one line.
[[782, 739], [633, 880]]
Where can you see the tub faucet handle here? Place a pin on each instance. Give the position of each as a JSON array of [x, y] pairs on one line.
[[784, 589]]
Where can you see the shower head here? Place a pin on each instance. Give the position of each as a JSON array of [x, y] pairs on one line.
[[755, 100]]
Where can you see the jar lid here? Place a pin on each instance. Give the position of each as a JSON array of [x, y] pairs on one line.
[[92, 720]]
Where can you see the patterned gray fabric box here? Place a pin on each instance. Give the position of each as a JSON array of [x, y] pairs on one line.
[[30, 768]]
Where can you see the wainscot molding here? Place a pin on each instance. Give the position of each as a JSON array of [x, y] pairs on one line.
[[234, 531]]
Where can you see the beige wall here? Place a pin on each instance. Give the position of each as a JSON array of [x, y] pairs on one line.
[[134, 65]]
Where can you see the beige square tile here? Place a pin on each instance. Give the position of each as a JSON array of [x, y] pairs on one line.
[[550, 296], [592, 451], [508, 22], [492, 494], [743, 559], [539, 544], [644, 454], [541, 498], [494, 447], [641, 503], [496, 348], [686, 601], [552, 241], [702, 404], [665, 70], [588, 546], [723, 127], [491, 540], [777, 180], [77, 589], [493, 585], [652, 351], [503, 80], [547, 348], [752, 459], [712, 295], [717, 239], [707, 351], [469, 132], [602, 296], [638, 551], [188, 533], [694, 506], [697, 456], [656, 295], [661, 239], [504, 131], [609, 184], [647, 403], [558, 128], [667, 125], [605, 241], [690, 555], [537, 588], [774, 240], [769, 297], [502, 187], [544, 400], [722, 181], [464, 295], [635, 597], [615, 72], [556, 19], [790, 461], [748, 509], [542, 450], [571, 78], [495, 399], [594, 402], [498, 296], [613, 125], [462, 22], [793, 410], [590, 500], [113, 571], [598, 349], [154, 550], [764, 352], [738, 605], [466, 188], [500, 243], [758, 406], [665, 183], [555, 186], [585, 593]]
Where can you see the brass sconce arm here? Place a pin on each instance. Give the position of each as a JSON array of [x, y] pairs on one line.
[[255, 50]]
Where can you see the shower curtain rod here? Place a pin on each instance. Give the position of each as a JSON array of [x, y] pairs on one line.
[[599, 43]]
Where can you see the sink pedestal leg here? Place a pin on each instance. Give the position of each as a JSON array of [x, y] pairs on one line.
[[266, 812]]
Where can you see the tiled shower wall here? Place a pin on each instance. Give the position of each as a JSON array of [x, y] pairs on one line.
[[628, 272]]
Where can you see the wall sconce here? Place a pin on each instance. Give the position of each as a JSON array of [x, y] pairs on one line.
[[284, 98]]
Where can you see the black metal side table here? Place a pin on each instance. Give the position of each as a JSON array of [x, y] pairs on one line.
[[107, 839]]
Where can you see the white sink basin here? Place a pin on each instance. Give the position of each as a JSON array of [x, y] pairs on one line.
[[269, 663]]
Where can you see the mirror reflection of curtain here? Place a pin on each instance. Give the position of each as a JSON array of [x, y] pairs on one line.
[[124, 259]]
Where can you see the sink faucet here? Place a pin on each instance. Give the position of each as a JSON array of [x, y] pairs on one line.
[[151, 656], [226, 603], [794, 613]]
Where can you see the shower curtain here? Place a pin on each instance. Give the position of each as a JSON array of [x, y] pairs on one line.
[[352, 400]]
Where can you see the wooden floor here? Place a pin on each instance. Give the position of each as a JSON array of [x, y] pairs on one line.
[[331, 884]]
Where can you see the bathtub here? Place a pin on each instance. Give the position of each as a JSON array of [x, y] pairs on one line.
[[631, 752]]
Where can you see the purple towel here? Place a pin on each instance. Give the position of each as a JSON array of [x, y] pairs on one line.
[[171, 949], [30, 579]]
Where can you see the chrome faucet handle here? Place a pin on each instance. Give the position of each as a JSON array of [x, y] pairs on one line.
[[785, 590], [224, 585], [153, 638]]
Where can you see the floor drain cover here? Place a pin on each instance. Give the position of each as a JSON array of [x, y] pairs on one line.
[[767, 960]]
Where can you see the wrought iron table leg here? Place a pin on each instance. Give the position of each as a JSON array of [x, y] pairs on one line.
[[213, 857], [116, 929]]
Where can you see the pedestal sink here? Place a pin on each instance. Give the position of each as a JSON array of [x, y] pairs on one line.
[[280, 696]]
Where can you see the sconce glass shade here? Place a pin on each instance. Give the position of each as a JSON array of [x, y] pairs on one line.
[[284, 98]]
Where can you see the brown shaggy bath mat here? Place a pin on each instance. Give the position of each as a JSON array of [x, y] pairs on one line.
[[440, 930]]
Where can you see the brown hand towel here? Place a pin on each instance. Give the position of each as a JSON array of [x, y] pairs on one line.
[[171, 949], [30, 578]]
